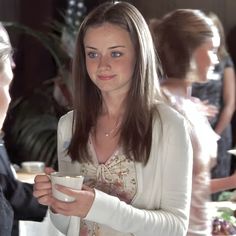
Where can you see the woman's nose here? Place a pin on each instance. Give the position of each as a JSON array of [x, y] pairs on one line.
[[104, 62]]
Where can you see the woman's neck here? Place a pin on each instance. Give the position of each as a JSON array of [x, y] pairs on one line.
[[179, 87], [113, 107]]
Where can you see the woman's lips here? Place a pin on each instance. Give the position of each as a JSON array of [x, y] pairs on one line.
[[106, 77]]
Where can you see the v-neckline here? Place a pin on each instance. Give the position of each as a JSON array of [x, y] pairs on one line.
[[95, 156]]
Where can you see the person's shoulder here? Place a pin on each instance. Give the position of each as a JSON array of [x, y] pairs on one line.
[[168, 114], [171, 123], [66, 119], [68, 115]]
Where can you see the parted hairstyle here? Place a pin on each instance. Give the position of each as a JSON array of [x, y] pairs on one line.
[[143, 95], [177, 36]]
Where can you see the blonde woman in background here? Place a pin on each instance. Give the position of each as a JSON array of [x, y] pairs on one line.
[[187, 41]]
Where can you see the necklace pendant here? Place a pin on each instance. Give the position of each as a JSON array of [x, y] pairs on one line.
[[112, 131]]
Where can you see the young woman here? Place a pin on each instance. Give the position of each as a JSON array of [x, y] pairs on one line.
[[187, 41], [121, 136]]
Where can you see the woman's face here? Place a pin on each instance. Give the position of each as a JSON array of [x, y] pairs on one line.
[[110, 58], [205, 58]]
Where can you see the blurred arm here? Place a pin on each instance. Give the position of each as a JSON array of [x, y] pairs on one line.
[[228, 99]]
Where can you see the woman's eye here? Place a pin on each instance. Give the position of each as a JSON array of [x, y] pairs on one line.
[[116, 54], [92, 54]]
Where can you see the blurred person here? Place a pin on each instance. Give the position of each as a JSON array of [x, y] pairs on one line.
[[16, 198], [219, 91], [186, 41], [125, 139]]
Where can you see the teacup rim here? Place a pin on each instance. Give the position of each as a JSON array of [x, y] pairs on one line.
[[65, 175]]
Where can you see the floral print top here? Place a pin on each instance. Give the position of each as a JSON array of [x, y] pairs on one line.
[[116, 177]]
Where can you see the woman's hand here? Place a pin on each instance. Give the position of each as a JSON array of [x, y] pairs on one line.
[[208, 110], [43, 188], [79, 207]]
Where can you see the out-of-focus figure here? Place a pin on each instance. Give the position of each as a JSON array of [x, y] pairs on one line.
[[220, 92], [16, 198], [186, 41]]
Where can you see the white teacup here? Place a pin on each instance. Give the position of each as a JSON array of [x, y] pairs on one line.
[[71, 181]]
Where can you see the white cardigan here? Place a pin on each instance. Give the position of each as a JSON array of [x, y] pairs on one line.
[[161, 205]]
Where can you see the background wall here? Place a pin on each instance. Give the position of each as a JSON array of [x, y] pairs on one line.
[[34, 63], [225, 9]]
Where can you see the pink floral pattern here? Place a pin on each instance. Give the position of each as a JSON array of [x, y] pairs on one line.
[[116, 177]]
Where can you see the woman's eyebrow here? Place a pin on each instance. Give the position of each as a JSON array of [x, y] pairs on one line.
[[117, 46], [113, 47], [89, 47]]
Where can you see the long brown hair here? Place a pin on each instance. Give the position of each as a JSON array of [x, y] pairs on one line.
[[177, 36], [136, 128]]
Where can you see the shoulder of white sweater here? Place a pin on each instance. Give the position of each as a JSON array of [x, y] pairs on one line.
[[68, 117], [169, 115], [65, 123]]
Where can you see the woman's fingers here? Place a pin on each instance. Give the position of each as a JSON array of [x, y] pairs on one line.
[[48, 170], [85, 187], [41, 192], [80, 206], [43, 189], [46, 200], [41, 179]]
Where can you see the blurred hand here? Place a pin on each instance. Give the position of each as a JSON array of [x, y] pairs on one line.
[[208, 110], [43, 188]]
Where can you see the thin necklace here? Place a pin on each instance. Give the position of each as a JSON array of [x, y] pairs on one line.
[[109, 133]]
